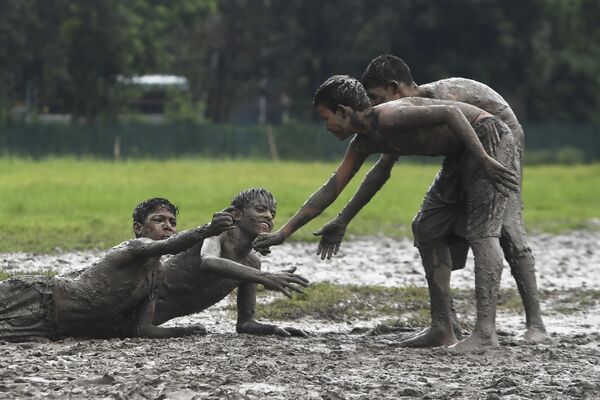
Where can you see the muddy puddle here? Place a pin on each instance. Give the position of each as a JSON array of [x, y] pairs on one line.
[[341, 360]]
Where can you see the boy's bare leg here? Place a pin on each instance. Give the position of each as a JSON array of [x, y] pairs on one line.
[[438, 265], [488, 269], [522, 266]]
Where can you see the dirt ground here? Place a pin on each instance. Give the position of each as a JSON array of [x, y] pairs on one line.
[[339, 360]]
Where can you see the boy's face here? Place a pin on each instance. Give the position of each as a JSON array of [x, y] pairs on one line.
[[257, 217], [159, 224], [337, 122], [383, 94]]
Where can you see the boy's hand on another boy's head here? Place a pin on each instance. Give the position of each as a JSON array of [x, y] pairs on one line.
[[221, 221], [265, 240]]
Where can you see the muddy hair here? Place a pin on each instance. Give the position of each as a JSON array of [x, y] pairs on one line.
[[385, 68], [342, 90], [244, 198], [142, 210]]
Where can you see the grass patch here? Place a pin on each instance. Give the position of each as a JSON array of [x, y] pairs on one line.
[[4, 275], [341, 302], [82, 204], [408, 305]]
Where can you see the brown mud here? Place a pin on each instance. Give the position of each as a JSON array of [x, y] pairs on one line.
[[340, 360]]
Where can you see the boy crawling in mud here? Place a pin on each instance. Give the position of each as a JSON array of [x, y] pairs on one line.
[[114, 297], [475, 143], [203, 275], [388, 78]]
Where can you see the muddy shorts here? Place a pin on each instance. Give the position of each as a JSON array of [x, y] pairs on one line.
[[462, 203], [27, 308]]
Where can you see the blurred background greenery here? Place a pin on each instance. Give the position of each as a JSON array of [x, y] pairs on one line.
[[80, 69], [199, 99]]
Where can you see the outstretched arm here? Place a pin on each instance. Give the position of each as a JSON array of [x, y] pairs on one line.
[[318, 201], [333, 232], [246, 320], [411, 117], [283, 282], [144, 247]]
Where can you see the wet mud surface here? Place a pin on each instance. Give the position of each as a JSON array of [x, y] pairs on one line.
[[340, 360]]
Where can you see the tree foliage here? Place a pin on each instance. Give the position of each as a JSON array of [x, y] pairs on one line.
[[68, 55]]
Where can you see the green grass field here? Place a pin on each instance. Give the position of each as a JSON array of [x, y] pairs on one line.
[[80, 204]]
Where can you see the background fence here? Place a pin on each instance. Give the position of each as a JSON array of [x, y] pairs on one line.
[[545, 143]]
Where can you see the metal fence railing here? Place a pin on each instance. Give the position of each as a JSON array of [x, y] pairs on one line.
[[299, 141]]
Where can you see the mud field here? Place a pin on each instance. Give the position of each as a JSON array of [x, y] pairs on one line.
[[340, 360]]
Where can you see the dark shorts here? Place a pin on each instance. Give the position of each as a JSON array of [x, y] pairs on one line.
[[27, 308], [462, 203]]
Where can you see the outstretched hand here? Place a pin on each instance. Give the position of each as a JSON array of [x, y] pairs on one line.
[[331, 238], [284, 281], [503, 179], [265, 240], [221, 221], [253, 327], [289, 331]]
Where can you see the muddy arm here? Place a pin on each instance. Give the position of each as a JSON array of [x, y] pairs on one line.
[[318, 201], [374, 180], [246, 310], [246, 322], [212, 261], [145, 329], [412, 117], [333, 232], [179, 242]]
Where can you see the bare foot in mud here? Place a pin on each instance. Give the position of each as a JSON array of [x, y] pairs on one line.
[[431, 337], [535, 334], [476, 341]]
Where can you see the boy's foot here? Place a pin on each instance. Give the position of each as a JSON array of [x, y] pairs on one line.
[[535, 334], [431, 337], [476, 342]]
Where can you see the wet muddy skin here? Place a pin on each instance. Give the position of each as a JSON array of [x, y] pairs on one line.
[[332, 364]]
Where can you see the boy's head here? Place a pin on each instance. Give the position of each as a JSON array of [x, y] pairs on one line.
[[155, 218], [254, 210], [336, 100], [387, 78]]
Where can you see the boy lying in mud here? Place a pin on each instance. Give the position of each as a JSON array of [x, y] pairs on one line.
[[475, 143], [117, 297], [114, 297], [203, 275]]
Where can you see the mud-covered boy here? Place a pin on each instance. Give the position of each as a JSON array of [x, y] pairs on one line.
[[475, 143], [203, 275], [116, 296]]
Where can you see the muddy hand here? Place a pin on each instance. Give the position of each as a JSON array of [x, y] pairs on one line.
[[266, 240], [284, 282], [221, 221], [289, 331], [192, 330], [503, 179], [331, 238]]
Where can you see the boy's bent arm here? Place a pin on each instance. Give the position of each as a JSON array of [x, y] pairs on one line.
[[333, 232], [412, 117], [318, 201], [145, 328]]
